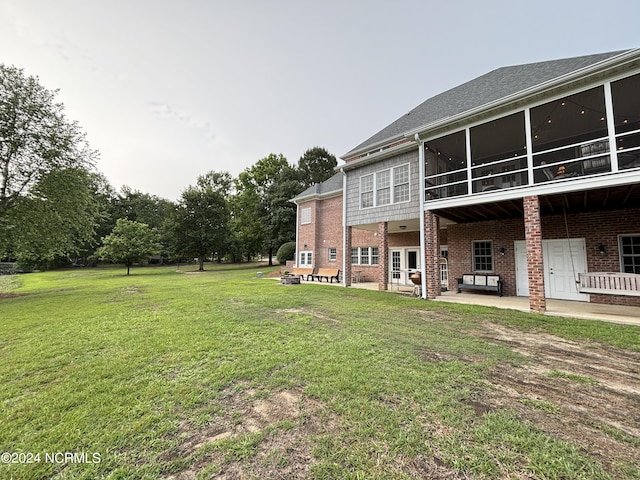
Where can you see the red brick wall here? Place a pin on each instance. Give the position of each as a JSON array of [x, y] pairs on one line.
[[595, 227]]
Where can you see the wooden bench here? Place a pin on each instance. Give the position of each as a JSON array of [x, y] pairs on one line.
[[487, 282], [328, 273], [610, 283], [303, 271]]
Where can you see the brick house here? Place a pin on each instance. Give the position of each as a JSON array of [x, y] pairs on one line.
[[528, 172]]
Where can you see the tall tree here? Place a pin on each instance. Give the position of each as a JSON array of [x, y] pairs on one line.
[[262, 202], [198, 226], [129, 242], [141, 207], [44, 163], [316, 165]]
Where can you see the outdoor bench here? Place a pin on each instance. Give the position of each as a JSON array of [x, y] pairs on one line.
[[328, 273], [478, 281], [303, 271]]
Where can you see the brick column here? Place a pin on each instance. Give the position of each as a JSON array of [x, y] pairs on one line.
[[533, 240], [347, 256], [383, 252], [431, 255]]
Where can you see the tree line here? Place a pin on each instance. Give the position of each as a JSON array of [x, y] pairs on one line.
[[56, 208]]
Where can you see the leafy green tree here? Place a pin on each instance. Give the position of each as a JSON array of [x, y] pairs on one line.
[[198, 226], [45, 205], [129, 242], [316, 165], [262, 204], [141, 207], [56, 219]]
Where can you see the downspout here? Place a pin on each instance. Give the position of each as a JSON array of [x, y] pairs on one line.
[[423, 263], [344, 227], [295, 258]]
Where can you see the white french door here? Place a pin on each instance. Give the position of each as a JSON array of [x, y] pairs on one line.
[[563, 261], [403, 262]]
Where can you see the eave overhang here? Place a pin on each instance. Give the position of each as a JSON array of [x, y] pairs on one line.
[[587, 75]]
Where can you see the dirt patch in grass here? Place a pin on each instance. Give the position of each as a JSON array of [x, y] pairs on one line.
[[583, 393], [10, 295], [275, 430], [586, 394]]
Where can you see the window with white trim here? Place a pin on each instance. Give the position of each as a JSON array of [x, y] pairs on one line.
[[365, 256], [629, 253], [375, 256], [401, 184], [355, 257], [306, 259], [366, 191], [385, 187], [305, 216], [483, 256], [333, 254]]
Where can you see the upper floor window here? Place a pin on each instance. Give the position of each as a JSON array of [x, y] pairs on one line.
[[401, 184], [366, 191], [305, 216], [385, 187]]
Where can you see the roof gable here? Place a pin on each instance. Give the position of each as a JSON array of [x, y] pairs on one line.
[[488, 88]]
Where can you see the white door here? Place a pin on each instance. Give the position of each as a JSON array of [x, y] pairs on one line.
[[563, 261], [404, 262], [522, 269]]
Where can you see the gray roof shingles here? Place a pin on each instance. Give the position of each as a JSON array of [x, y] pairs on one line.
[[483, 90], [333, 184]]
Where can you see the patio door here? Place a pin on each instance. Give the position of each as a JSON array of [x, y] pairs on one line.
[[404, 261], [563, 260]]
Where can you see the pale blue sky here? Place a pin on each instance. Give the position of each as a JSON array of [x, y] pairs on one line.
[[168, 90]]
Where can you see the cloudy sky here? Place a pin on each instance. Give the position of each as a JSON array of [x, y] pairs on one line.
[[167, 90]]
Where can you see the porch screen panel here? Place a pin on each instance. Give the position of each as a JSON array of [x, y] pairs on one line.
[[626, 111], [445, 161], [570, 137], [499, 153]]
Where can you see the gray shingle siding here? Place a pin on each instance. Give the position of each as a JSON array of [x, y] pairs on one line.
[[387, 213], [483, 90]]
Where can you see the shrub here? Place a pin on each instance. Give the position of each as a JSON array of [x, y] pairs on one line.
[[287, 251]]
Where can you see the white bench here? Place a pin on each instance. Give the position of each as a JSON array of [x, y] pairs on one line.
[[610, 283]]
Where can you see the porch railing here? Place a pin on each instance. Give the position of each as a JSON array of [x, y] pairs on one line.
[[610, 283]]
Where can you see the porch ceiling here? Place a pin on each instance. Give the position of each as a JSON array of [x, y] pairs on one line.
[[610, 198]]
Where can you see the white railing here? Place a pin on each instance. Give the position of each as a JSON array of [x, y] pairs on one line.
[[610, 283]]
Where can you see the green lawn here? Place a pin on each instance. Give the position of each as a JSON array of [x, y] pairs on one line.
[[166, 374]]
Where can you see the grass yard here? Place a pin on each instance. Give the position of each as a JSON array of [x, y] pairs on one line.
[[181, 375]]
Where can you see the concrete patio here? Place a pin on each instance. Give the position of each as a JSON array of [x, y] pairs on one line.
[[558, 308]]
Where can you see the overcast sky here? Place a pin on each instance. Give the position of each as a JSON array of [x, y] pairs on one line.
[[168, 90]]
